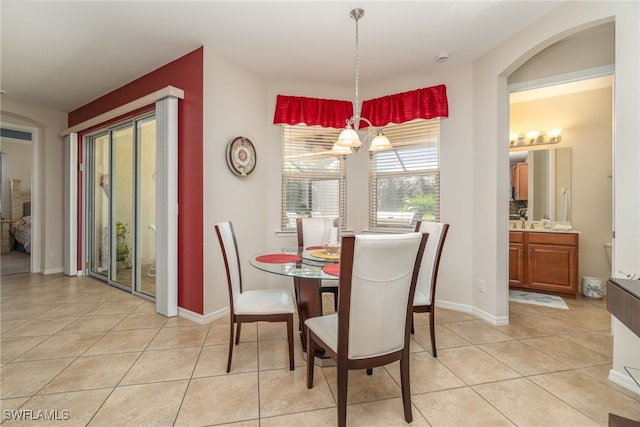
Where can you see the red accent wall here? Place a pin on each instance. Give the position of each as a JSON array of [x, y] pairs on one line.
[[186, 73]]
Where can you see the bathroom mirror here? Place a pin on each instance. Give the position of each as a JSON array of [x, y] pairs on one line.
[[548, 183]]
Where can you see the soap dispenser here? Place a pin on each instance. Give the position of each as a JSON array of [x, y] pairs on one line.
[[546, 222]]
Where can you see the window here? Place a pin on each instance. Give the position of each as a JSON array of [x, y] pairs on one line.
[[404, 184], [313, 180]]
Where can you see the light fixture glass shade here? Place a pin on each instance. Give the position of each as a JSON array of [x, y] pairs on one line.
[[349, 138], [380, 143], [339, 150], [553, 133], [532, 135]]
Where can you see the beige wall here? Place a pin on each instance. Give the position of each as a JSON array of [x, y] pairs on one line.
[[587, 129], [234, 105]]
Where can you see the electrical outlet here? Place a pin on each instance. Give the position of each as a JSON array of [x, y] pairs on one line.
[[482, 286]]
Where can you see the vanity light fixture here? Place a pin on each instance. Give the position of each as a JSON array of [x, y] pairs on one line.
[[534, 137], [554, 135], [349, 141]]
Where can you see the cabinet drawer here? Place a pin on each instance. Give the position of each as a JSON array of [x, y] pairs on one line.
[[624, 305], [570, 239], [516, 237]]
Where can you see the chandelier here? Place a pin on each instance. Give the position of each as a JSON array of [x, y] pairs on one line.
[[349, 141]]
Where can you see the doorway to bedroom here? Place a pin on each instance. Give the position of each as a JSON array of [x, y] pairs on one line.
[[121, 194], [17, 174]]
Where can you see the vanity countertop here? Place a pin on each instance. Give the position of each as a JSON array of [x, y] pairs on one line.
[[537, 228]]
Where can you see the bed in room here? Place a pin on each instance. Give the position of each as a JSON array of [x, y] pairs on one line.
[[20, 229]]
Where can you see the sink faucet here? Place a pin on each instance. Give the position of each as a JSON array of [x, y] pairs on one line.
[[522, 225]]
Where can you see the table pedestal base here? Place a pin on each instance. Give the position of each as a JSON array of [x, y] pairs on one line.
[[309, 299]]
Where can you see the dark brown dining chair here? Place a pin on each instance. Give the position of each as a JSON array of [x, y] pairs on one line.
[[314, 232], [378, 276], [424, 298], [264, 305]]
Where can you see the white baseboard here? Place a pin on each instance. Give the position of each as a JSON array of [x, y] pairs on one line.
[[203, 319], [53, 270], [464, 308], [494, 320], [623, 379]]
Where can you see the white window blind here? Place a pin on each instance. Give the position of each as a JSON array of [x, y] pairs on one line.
[[313, 179], [404, 184]]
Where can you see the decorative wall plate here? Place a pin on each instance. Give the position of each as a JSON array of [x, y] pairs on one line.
[[241, 156]]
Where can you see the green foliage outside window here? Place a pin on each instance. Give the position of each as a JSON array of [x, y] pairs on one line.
[[123, 251], [421, 203]]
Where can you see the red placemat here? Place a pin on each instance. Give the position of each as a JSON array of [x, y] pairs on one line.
[[314, 248], [278, 258], [332, 269]]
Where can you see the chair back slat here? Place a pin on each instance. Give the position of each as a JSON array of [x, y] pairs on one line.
[[381, 281], [229, 247]]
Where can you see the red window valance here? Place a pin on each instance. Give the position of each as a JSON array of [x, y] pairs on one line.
[[329, 113], [426, 103]]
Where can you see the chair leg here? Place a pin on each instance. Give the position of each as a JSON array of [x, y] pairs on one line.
[[335, 300], [432, 330], [369, 371], [231, 325], [343, 380], [413, 331], [311, 351], [406, 385], [238, 333], [290, 340]]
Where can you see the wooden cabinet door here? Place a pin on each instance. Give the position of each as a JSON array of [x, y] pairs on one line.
[[516, 264], [552, 267], [520, 179]]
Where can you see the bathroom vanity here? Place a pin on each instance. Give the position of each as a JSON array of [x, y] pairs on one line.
[[544, 261]]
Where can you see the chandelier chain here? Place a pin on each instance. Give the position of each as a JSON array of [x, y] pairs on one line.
[[357, 107]]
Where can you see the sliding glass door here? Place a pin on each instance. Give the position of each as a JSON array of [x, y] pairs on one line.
[[98, 177], [121, 207], [146, 206]]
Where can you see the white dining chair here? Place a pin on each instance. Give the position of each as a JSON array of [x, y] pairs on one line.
[[424, 298], [316, 232], [263, 305], [378, 276]]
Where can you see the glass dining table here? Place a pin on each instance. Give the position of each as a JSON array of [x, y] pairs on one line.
[[308, 267]]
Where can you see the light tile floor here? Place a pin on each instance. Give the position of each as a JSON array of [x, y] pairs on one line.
[[102, 357]]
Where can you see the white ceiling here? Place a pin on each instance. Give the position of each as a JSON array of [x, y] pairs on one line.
[[64, 54]]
